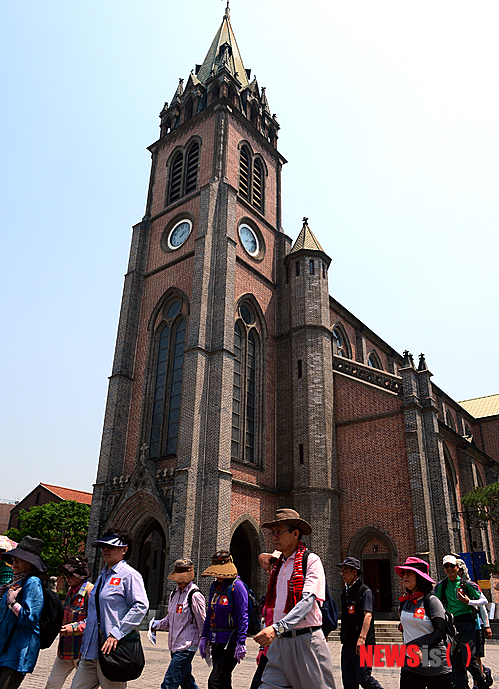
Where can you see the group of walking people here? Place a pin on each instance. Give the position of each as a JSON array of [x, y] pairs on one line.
[[98, 619]]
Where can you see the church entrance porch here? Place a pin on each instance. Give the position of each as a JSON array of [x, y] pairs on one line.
[[377, 576], [245, 546], [151, 563]]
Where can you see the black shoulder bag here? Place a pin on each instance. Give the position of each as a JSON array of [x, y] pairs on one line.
[[127, 660]]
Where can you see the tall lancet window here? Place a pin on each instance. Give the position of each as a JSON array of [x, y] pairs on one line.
[[251, 177], [167, 390], [245, 403]]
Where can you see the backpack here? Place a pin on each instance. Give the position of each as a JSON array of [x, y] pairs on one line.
[[189, 599], [51, 617], [254, 616], [451, 634], [329, 608]]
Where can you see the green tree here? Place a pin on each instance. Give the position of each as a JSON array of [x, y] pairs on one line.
[[62, 526], [482, 506]]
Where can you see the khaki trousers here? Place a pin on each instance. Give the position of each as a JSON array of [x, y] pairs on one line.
[[60, 670], [89, 676], [299, 662]]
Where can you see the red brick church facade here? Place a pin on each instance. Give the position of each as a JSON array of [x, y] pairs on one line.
[[240, 385]]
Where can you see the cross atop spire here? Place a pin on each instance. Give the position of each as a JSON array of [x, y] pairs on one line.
[[306, 240], [223, 53]]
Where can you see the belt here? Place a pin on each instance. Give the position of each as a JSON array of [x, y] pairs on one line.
[[299, 632]]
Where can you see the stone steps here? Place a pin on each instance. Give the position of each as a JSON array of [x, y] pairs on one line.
[[386, 632]]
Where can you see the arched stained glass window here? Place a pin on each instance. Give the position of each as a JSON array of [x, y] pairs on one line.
[[341, 345], [245, 416], [168, 386], [373, 360]]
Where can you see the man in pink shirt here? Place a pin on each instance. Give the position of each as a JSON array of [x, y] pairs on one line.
[[298, 656]]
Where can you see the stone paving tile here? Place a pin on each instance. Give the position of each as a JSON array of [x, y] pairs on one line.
[[157, 659]]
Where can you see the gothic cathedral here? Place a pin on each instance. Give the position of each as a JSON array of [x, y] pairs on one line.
[[239, 385]]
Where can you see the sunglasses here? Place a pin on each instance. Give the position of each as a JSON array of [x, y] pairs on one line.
[[449, 566]]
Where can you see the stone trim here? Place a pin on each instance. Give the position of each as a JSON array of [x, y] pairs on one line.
[[380, 379]]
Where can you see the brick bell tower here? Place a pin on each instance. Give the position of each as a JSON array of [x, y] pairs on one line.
[[188, 445]]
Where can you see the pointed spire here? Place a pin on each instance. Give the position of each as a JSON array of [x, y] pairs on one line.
[[265, 103], [223, 53], [178, 93], [422, 363], [306, 240], [408, 360]]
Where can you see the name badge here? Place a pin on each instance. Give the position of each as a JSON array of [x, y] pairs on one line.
[[179, 608], [419, 613], [351, 609], [115, 581], [223, 600]]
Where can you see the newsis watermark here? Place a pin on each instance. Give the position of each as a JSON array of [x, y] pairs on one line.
[[402, 655]]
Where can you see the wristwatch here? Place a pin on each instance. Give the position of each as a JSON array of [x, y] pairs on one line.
[[279, 629]]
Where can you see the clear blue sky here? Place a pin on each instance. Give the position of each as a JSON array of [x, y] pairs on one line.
[[388, 116]]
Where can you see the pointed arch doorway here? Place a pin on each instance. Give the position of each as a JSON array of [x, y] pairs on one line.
[[151, 563], [245, 548]]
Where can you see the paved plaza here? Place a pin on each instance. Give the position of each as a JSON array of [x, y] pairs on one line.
[[157, 659]]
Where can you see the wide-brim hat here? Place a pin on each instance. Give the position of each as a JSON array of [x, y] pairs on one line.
[[28, 549], [112, 540], [183, 571], [290, 518], [351, 562], [76, 566], [414, 564], [221, 567]]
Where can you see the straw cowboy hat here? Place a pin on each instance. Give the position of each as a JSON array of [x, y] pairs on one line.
[[288, 517], [222, 566]]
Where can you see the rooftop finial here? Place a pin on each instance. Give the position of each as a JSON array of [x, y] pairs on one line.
[[305, 221], [227, 9]]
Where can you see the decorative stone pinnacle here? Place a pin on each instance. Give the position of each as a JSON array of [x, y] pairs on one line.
[[408, 360], [422, 363]]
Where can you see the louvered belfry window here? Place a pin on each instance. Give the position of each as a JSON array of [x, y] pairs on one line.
[[176, 177], [251, 178], [245, 393], [191, 176], [165, 416], [184, 173], [257, 184], [244, 173]]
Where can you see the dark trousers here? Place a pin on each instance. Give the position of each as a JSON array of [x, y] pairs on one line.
[[415, 680], [465, 625], [223, 664], [9, 678], [179, 671], [257, 677], [352, 674]]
